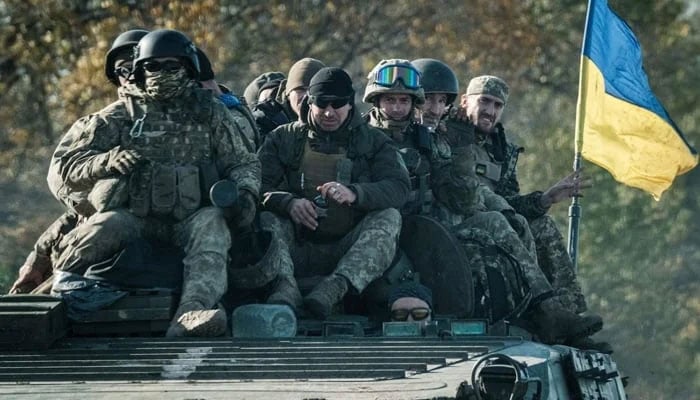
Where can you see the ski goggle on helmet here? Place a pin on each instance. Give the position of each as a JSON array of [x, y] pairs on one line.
[[388, 75]]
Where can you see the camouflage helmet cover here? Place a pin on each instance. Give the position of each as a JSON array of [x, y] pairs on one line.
[[373, 89], [123, 44], [437, 77], [489, 84]]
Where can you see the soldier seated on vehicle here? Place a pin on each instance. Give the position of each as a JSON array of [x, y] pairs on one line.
[[163, 198], [242, 117], [554, 322], [333, 185], [411, 301], [276, 100], [37, 268], [264, 87], [493, 160]]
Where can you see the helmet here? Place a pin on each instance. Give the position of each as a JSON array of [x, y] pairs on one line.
[[206, 73], [124, 43], [166, 43], [394, 76], [437, 77], [260, 83]]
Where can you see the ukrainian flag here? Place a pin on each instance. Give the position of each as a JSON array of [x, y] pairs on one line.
[[620, 124]]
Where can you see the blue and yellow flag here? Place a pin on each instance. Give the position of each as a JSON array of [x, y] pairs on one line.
[[620, 124]]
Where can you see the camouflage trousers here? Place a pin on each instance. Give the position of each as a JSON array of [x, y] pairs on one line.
[[203, 236], [496, 225], [361, 256], [555, 262]]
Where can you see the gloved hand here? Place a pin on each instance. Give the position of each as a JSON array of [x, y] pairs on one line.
[[460, 132], [121, 161], [247, 207]]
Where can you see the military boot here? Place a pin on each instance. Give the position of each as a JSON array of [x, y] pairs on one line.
[[286, 291], [193, 319], [556, 324], [325, 295]]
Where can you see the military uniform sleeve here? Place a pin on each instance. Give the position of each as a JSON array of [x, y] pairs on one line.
[[274, 171], [245, 123], [452, 183], [233, 158], [528, 205], [82, 159], [51, 236], [390, 184]]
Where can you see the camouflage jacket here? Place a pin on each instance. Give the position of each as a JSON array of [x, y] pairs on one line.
[[378, 177], [433, 158], [508, 186], [80, 161]]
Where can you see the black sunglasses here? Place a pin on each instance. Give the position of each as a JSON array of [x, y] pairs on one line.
[[165, 66], [418, 314], [124, 72], [336, 103]]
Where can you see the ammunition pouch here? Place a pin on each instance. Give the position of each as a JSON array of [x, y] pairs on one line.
[[421, 138], [488, 170], [165, 190]]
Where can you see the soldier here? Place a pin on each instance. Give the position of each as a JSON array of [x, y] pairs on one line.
[[496, 161], [394, 89], [167, 140], [555, 322], [293, 90], [264, 87], [333, 185], [242, 117], [37, 267], [261, 96], [411, 301]]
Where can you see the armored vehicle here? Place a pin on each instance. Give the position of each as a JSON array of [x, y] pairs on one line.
[[120, 352]]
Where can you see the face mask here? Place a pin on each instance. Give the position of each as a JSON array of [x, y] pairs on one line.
[[164, 85]]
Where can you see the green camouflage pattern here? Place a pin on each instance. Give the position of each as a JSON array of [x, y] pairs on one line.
[[449, 184], [554, 259], [489, 84], [361, 256], [190, 130], [83, 160], [497, 227], [204, 236], [552, 254]]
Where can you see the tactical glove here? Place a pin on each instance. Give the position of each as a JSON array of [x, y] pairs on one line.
[[118, 161], [463, 161], [247, 207], [459, 133]]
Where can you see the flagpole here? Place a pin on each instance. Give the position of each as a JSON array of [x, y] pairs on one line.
[[575, 207]]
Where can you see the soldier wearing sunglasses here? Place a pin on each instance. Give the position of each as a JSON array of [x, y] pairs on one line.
[[37, 267], [181, 140], [333, 184], [411, 302]]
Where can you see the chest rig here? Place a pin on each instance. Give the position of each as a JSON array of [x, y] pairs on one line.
[[415, 150], [175, 141], [319, 165]]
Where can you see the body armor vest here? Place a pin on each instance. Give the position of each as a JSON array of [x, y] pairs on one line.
[[486, 168], [316, 169], [175, 146]]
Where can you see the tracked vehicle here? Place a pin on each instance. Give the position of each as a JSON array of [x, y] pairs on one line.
[[119, 352]]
